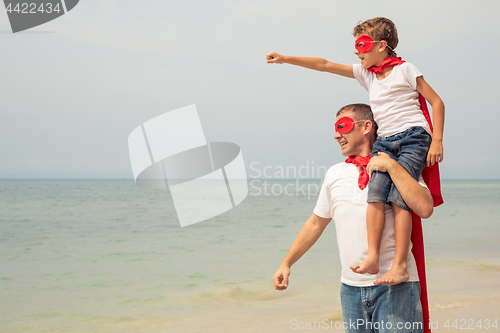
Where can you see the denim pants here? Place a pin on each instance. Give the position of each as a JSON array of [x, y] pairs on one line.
[[409, 149], [382, 308]]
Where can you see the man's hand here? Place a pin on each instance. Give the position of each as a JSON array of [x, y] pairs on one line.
[[435, 153], [280, 279], [382, 163], [275, 58]]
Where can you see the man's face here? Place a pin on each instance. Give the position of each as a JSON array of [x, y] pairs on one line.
[[351, 143]]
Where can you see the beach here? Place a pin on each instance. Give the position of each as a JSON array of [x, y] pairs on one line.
[[107, 256], [466, 295]]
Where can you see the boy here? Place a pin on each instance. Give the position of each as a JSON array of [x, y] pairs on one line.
[[394, 87]]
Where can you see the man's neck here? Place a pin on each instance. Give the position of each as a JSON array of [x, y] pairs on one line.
[[363, 153]]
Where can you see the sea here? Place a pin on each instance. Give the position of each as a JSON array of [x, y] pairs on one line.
[[108, 256]]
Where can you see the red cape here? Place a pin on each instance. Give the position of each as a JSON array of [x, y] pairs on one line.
[[431, 178]]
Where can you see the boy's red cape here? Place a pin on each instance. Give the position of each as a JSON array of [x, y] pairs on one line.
[[431, 178]]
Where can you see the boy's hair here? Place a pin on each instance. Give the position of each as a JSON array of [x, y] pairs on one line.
[[362, 112], [379, 28]]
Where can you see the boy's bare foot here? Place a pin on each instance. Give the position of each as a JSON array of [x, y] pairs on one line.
[[395, 275], [368, 265]]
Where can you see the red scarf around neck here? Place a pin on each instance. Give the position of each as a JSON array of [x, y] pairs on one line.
[[361, 163], [388, 62]]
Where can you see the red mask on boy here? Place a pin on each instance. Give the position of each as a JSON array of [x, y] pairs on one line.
[[364, 43]]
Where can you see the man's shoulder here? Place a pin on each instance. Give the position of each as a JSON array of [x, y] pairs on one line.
[[338, 167], [338, 170]]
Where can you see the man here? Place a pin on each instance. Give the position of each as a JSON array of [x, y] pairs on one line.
[[374, 308]]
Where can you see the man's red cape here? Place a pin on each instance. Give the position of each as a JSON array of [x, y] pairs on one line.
[[431, 178]]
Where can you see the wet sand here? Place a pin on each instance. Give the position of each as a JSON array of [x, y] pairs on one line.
[[467, 292], [462, 296]]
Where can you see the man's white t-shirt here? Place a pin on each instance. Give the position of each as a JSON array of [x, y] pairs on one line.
[[341, 200], [394, 100]]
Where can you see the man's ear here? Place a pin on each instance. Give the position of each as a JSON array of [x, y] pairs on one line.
[[367, 127]]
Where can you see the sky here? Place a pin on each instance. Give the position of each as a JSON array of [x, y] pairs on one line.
[[73, 89]]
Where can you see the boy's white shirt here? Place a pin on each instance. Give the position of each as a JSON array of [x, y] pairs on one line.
[[341, 200], [394, 100]]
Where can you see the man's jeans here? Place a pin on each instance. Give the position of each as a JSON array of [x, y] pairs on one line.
[[382, 308]]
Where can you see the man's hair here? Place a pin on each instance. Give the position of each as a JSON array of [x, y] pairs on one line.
[[361, 112], [379, 28]]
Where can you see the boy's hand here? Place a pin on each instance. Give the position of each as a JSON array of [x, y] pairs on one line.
[[435, 153], [275, 58]]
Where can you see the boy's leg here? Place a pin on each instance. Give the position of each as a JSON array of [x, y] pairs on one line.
[[375, 221], [402, 232], [378, 191], [412, 157]]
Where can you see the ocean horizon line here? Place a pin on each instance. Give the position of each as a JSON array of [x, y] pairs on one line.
[[249, 179]]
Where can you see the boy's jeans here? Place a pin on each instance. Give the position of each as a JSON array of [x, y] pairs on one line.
[[382, 308], [409, 148]]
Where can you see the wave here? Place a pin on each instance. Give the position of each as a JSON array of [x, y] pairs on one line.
[[457, 305], [224, 295], [482, 265], [86, 322]]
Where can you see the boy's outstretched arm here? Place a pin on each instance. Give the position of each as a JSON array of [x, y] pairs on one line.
[[318, 64], [435, 153]]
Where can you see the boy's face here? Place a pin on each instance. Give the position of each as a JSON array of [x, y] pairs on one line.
[[369, 56]]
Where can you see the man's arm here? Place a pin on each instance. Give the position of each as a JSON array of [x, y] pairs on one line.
[[318, 64], [417, 197], [308, 235]]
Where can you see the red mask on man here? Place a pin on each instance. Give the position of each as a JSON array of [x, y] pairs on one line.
[[345, 124]]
